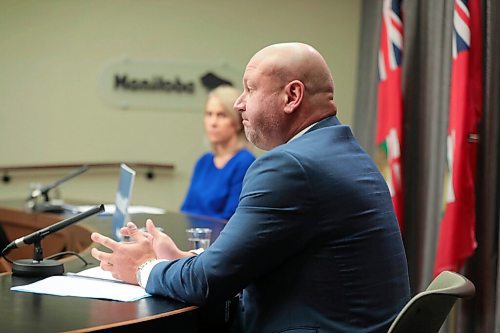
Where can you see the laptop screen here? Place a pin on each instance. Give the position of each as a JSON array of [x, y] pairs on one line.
[[122, 201]]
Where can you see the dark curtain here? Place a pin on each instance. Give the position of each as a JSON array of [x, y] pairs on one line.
[[482, 313], [426, 80]]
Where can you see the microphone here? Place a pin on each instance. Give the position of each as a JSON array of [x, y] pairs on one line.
[[40, 234], [45, 189], [37, 266]]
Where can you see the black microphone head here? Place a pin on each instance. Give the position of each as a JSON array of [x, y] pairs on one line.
[[7, 249]]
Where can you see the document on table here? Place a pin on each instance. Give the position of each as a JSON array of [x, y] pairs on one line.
[[90, 283], [109, 209]]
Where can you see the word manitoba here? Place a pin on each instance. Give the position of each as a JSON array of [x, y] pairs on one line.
[[156, 83]]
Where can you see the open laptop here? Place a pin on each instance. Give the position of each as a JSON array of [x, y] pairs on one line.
[[122, 201]]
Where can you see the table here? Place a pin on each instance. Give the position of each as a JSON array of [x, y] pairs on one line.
[[25, 312]]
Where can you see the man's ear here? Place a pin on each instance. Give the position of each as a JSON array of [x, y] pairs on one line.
[[294, 91]]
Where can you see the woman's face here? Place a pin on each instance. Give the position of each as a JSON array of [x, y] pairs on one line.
[[219, 127]]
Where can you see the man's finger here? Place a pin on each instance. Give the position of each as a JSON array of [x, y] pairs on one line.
[[132, 230], [101, 256], [136, 233], [151, 228], [106, 266], [124, 232], [131, 226], [103, 240]]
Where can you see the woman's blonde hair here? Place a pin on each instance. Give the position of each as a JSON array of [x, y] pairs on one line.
[[227, 95]]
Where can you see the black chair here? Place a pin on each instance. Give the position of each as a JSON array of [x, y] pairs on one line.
[[427, 311], [3, 239]]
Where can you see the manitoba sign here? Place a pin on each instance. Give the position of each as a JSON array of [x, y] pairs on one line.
[[169, 85]]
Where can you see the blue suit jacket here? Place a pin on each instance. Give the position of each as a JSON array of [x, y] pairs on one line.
[[314, 243]]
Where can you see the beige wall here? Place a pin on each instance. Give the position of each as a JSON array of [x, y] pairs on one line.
[[52, 53]]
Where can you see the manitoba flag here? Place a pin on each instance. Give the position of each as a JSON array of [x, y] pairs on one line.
[[390, 103], [457, 230]]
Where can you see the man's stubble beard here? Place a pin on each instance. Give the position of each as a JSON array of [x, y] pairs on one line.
[[262, 138]]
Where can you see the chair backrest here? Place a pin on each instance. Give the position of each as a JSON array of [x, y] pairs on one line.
[[3, 239], [427, 311]]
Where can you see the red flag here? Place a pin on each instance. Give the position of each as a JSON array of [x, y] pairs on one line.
[[390, 103], [457, 230]]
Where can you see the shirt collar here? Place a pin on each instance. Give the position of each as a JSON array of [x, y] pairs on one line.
[[298, 135]]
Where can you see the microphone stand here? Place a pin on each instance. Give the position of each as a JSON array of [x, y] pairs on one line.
[[46, 205], [38, 266]]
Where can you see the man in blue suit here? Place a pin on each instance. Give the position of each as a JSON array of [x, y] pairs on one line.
[[314, 244]]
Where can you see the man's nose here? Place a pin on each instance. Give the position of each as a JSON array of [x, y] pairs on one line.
[[239, 104]]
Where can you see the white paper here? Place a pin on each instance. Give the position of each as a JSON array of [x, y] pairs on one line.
[[109, 209], [91, 283], [145, 210]]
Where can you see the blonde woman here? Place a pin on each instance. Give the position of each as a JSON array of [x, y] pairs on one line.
[[218, 175]]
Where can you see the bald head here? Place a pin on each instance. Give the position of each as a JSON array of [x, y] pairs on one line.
[[295, 61], [287, 88]]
